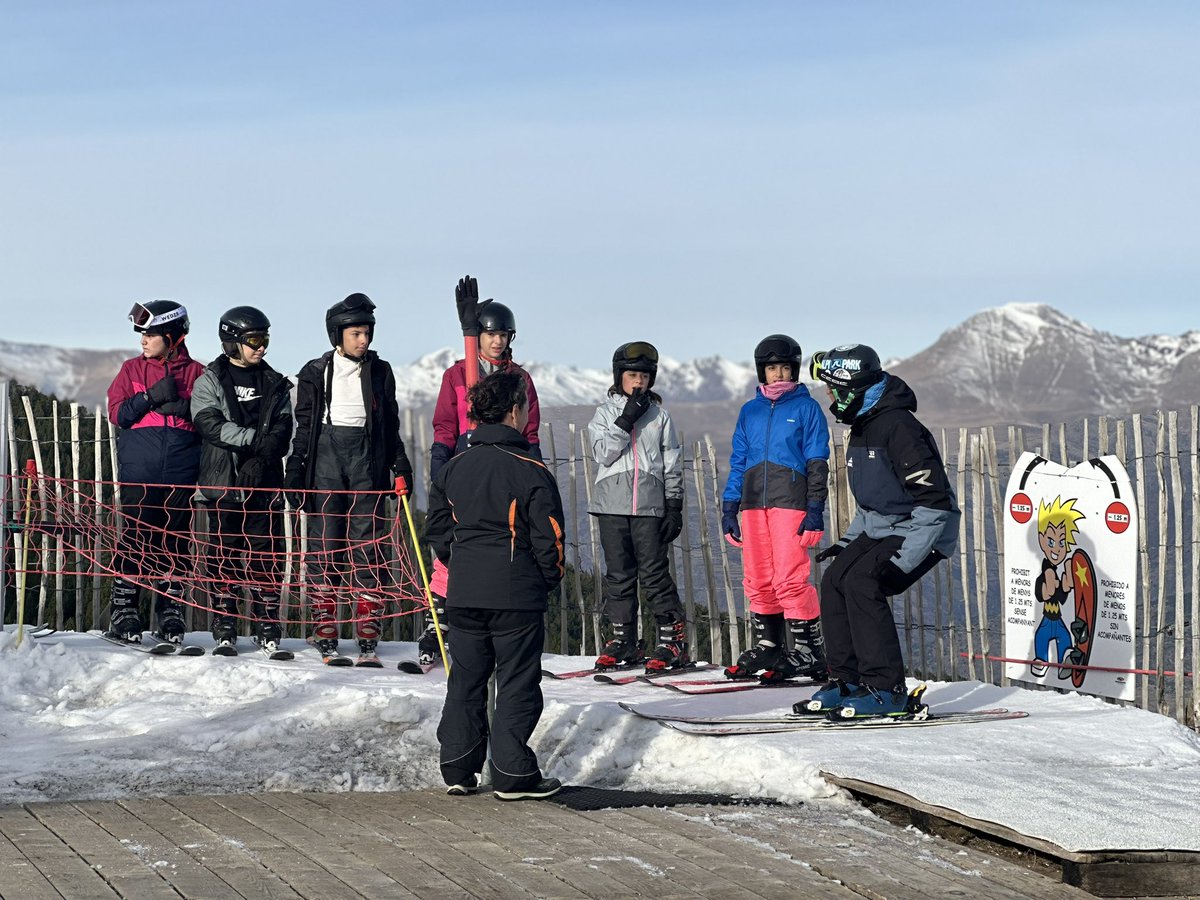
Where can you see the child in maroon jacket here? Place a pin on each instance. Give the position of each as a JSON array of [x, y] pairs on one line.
[[452, 427], [158, 459]]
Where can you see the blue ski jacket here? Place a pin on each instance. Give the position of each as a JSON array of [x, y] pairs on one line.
[[780, 456]]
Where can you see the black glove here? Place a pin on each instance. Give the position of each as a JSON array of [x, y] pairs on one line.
[[162, 391], [466, 298], [729, 519], [891, 578], [251, 472], [180, 408], [830, 552], [672, 521], [635, 408], [294, 491]]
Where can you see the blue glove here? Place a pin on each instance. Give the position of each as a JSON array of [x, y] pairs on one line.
[[814, 519], [729, 519]]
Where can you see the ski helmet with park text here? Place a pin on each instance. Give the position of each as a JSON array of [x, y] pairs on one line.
[[243, 325], [356, 309], [162, 317], [636, 356], [849, 371], [777, 348]]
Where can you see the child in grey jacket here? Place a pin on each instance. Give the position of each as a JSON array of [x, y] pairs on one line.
[[638, 504]]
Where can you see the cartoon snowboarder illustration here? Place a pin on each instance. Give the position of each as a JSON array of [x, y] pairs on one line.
[[1058, 528]]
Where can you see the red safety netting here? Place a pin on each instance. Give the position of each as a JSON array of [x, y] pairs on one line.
[[348, 554]]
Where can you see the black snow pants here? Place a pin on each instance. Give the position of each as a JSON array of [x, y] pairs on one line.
[[862, 645], [509, 643], [633, 551]]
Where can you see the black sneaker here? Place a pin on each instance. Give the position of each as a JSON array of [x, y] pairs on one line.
[[464, 788], [547, 787]]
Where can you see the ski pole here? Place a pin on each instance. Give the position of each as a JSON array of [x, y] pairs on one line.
[[22, 576], [437, 625]]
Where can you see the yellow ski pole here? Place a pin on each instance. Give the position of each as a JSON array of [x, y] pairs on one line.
[[22, 575], [425, 579]]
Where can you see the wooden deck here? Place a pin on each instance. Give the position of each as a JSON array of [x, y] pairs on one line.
[[427, 845]]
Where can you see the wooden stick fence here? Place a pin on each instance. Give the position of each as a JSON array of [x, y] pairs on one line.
[[951, 623]]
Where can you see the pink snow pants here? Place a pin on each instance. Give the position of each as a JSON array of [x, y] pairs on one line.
[[775, 568]]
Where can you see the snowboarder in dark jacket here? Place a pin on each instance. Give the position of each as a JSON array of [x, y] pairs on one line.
[[907, 522], [243, 410], [496, 522], [158, 454], [346, 454]]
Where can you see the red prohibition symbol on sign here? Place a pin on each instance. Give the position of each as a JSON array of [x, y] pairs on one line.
[[1021, 508], [1116, 517]]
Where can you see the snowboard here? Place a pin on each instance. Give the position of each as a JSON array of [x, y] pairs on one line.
[[1084, 626]]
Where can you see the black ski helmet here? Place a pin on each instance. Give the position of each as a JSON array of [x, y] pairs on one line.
[[849, 371], [498, 317], [162, 317], [239, 322], [777, 348], [356, 309], [636, 356]]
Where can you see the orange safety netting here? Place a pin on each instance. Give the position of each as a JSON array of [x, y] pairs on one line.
[[348, 552]]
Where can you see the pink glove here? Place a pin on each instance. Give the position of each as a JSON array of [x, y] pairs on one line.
[[810, 538]]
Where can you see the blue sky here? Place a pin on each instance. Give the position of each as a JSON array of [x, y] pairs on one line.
[[695, 174]]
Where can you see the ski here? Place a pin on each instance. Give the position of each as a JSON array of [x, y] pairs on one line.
[[369, 661], [583, 673], [337, 660], [225, 648], [725, 686], [820, 723], [158, 648], [409, 667], [189, 650], [652, 677], [271, 650]]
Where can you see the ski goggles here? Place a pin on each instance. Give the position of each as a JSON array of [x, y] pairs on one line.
[[639, 350], [255, 340], [143, 319]]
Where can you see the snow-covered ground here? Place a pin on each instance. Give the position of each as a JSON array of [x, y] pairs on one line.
[[83, 719]]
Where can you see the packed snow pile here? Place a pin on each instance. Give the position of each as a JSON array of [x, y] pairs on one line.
[[84, 719]]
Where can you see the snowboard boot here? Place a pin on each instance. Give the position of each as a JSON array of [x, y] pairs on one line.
[[831, 695], [768, 646], [124, 621], [867, 702], [224, 623], [622, 649], [806, 659], [168, 608], [672, 649], [429, 651]]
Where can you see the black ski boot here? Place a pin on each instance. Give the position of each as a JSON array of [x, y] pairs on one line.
[[224, 623], [672, 649], [429, 652], [806, 659], [124, 621], [768, 647], [623, 648], [267, 634], [169, 610]]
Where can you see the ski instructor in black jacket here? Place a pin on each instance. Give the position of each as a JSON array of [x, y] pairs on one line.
[[496, 521]]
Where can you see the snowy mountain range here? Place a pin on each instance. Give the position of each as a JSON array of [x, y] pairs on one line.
[[1020, 363]]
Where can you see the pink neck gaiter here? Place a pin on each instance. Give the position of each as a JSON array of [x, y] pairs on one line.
[[778, 389]]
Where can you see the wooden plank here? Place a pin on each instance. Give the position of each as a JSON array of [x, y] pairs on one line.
[[173, 864], [554, 839], [57, 862], [468, 857], [295, 854], [113, 859], [21, 878], [231, 863]]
